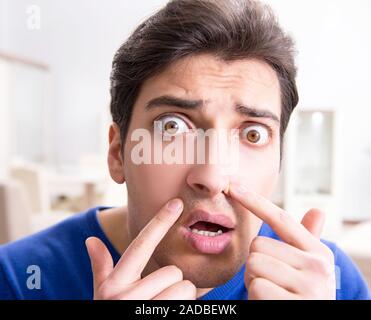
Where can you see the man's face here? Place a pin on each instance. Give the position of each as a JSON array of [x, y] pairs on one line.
[[223, 87]]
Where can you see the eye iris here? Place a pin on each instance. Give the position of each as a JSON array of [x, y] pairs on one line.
[[253, 136], [171, 127]]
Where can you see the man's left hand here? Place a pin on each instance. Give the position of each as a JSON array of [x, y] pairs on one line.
[[300, 267]]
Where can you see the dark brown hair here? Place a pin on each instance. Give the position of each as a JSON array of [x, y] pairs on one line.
[[228, 29]]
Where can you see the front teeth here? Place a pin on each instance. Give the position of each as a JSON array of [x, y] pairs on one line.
[[207, 233]]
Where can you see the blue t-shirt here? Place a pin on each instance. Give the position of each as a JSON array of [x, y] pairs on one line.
[[54, 264]]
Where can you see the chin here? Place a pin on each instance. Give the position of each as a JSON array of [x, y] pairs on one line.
[[202, 271], [210, 277]]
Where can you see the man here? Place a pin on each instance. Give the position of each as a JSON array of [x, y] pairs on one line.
[[191, 230]]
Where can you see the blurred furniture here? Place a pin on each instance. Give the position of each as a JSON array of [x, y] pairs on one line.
[[51, 194], [91, 183], [36, 197], [17, 218], [70, 189], [15, 212], [89, 179], [34, 181]]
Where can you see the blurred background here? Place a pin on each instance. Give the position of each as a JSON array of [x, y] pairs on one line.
[[55, 61]]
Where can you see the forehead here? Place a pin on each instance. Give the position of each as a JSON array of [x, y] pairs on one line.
[[218, 82]]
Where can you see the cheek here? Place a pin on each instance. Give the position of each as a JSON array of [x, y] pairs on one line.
[[259, 170], [151, 186]]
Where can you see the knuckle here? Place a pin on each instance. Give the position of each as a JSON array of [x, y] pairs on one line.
[[189, 288], [248, 278], [139, 242], [313, 292], [319, 265], [256, 287], [256, 244], [132, 292], [104, 293], [160, 218], [252, 261], [284, 216], [175, 271], [308, 286]]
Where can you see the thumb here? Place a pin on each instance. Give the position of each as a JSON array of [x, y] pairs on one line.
[[314, 221], [100, 259]]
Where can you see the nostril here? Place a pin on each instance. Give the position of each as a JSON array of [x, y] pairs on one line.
[[200, 187]]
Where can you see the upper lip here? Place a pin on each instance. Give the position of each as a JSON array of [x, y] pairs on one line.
[[217, 218]]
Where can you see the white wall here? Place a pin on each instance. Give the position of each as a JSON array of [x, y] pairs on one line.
[[4, 124], [78, 40], [334, 42], [3, 99]]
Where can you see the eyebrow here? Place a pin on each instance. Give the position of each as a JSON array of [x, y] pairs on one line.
[[172, 101], [257, 113]]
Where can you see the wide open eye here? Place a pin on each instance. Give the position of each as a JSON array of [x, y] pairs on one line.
[[171, 125], [256, 134]]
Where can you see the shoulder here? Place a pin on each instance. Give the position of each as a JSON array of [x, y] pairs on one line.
[[54, 237], [57, 253]]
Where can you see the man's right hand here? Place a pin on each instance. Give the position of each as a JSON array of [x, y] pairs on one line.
[[124, 282]]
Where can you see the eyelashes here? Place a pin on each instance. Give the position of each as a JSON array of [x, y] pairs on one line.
[[257, 134], [173, 124]]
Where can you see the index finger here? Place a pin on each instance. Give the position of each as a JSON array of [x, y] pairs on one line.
[[138, 253], [278, 219]]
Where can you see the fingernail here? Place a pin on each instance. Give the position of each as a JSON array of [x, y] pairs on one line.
[[226, 190], [175, 205]]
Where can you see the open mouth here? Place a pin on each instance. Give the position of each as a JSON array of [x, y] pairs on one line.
[[208, 233], [208, 229]]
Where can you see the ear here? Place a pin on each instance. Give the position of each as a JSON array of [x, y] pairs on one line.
[[115, 160]]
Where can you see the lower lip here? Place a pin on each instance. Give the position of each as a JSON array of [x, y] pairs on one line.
[[205, 244]]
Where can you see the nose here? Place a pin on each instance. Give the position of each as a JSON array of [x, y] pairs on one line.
[[207, 180]]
